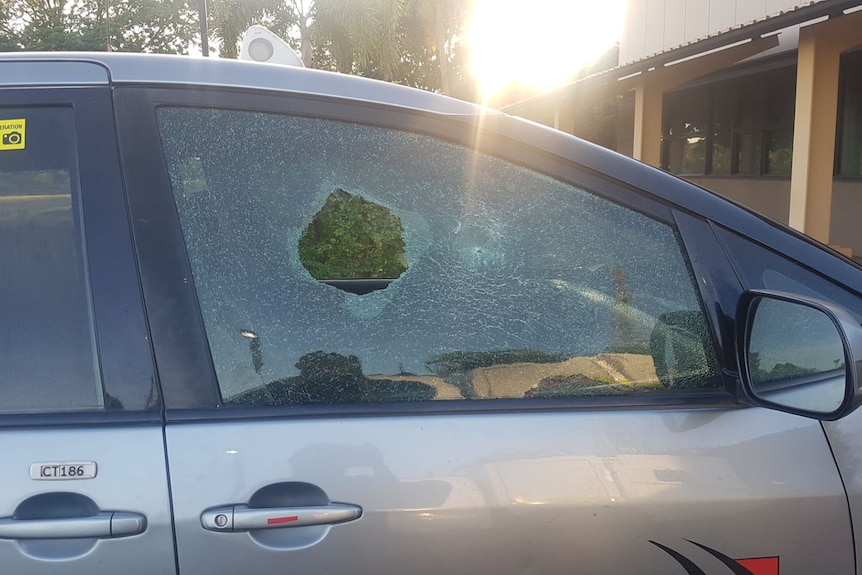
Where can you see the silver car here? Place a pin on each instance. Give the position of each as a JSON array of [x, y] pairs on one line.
[[259, 319]]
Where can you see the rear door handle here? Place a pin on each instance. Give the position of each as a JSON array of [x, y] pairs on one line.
[[102, 525], [233, 518]]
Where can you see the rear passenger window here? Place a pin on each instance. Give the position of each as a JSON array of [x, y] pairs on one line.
[[47, 346], [342, 263]]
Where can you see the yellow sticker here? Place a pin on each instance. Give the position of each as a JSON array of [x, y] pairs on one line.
[[13, 134]]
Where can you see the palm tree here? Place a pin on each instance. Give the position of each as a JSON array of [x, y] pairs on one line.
[[361, 33], [442, 21], [302, 15]]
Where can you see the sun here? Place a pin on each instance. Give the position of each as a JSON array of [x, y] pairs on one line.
[[539, 43]]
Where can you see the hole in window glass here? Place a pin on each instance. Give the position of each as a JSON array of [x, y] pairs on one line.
[[351, 238], [517, 285]]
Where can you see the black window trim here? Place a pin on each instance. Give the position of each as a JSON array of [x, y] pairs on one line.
[[187, 375], [121, 334]]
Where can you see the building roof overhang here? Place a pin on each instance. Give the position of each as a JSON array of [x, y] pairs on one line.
[[618, 78]]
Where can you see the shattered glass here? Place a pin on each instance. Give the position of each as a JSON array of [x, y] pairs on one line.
[[517, 285]]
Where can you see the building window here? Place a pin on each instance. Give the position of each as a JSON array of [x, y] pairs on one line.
[[849, 158], [740, 127], [686, 133]]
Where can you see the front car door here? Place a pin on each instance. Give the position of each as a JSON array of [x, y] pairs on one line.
[[531, 381], [83, 473]]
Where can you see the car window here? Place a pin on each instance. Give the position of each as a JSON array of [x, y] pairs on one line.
[[48, 356], [762, 268], [343, 263]]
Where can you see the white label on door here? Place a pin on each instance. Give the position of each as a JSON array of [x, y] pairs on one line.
[[63, 470]]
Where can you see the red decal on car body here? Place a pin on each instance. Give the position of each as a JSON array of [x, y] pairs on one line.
[[751, 566], [280, 520], [760, 565]]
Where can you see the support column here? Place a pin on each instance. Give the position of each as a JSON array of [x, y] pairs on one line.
[[820, 47], [648, 120], [564, 117]]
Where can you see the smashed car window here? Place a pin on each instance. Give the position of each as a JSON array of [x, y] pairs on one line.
[[491, 280]]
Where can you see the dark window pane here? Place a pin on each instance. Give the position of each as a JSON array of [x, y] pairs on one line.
[[850, 127], [782, 97], [47, 345], [779, 153], [687, 112], [687, 156], [750, 102], [722, 131], [748, 153], [516, 285]]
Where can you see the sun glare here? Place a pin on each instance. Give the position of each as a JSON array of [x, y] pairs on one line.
[[539, 43]]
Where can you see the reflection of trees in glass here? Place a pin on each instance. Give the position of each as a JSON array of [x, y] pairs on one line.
[[694, 156], [333, 378], [577, 385], [779, 370], [445, 364], [352, 238], [720, 159], [454, 368], [41, 182], [779, 161]]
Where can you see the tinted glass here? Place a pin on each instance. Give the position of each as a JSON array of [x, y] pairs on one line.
[[47, 351], [850, 116], [513, 284], [762, 268]]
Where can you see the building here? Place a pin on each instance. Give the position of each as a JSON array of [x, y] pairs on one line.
[[757, 100]]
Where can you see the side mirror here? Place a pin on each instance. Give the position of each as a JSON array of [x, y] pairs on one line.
[[799, 355]]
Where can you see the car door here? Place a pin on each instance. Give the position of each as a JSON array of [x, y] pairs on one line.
[[387, 348], [83, 474]]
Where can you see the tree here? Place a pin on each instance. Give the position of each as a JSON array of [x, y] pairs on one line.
[[439, 25], [413, 42], [302, 16], [165, 26], [361, 34]]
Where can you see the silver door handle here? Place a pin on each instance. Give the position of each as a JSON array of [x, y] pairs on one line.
[[102, 525], [232, 518]]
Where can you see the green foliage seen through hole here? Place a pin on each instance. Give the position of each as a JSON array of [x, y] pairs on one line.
[[352, 238]]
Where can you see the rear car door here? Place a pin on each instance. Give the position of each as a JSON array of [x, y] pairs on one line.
[[383, 351], [83, 473]]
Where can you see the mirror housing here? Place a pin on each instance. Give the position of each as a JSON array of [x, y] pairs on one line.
[[799, 355]]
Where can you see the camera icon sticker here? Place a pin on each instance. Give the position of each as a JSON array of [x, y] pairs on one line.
[[13, 134]]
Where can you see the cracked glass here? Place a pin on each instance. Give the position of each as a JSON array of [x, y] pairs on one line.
[[513, 284]]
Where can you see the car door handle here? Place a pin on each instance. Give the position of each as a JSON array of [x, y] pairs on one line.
[[232, 518], [102, 525]]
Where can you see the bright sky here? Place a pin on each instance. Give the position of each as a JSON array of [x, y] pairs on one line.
[[539, 43]]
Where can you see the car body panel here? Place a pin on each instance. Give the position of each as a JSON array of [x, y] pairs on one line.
[[130, 477], [518, 493], [843, 438]]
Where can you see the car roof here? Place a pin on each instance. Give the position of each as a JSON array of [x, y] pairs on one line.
[[93, 68]]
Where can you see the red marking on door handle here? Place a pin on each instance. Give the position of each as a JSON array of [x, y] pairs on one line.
[[280, 520]]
